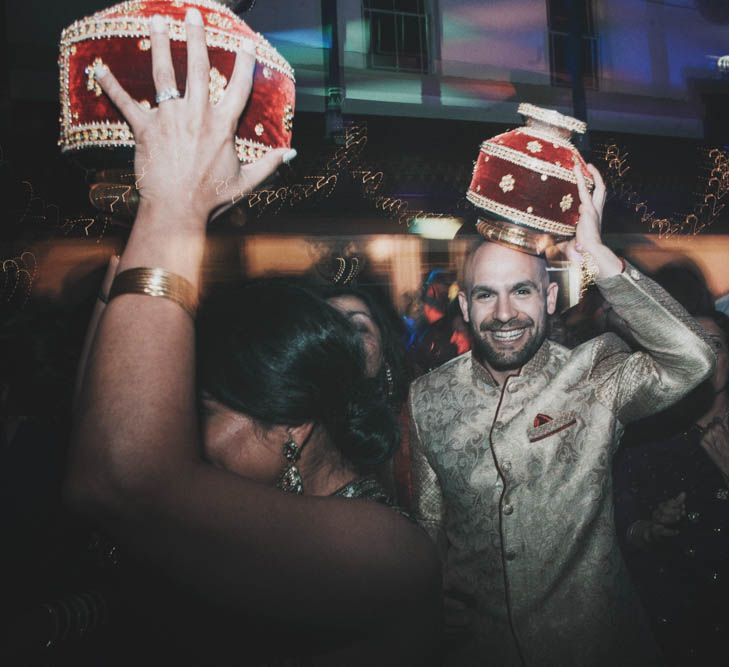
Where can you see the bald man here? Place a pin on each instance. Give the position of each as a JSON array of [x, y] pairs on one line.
[[512, 446]]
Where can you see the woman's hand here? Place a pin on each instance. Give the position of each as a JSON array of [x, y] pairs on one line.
[[670, 511], [185, 157], [715, 443]]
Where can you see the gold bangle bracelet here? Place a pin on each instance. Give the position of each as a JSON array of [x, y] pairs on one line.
[[156, 282]]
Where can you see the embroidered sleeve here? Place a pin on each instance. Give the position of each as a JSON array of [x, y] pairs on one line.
[[427, 497], [674, 356]]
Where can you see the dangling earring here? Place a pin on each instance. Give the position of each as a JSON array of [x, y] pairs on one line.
[[290, 479], [389, 382]]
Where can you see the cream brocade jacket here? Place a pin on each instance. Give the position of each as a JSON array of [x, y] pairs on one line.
[[521, 506]]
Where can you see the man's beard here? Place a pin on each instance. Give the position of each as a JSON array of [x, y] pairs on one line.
[[507, 360]]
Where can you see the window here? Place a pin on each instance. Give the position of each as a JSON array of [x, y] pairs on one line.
[[398, 34], [558, 16]]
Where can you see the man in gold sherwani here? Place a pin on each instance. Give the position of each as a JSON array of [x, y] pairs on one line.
[[512, 450]]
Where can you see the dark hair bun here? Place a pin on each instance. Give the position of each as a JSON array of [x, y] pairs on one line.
[[281, 355], [368, 433]]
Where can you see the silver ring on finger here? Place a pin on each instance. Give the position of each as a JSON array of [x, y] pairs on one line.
[[167, 94]]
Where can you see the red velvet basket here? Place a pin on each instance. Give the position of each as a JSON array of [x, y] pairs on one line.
[[119, 38], [524, 183]]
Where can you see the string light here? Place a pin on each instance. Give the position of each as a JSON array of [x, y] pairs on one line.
[[17, 271], [707, 209], [345, 159]]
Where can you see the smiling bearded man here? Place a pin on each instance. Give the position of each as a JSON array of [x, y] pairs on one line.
[[512, 446], [507, 299]]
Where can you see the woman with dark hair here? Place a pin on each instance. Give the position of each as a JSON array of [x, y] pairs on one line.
[[280, 356], [355, 582], [381, 332]]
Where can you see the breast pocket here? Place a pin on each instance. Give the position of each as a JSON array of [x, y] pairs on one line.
[[545, 425]]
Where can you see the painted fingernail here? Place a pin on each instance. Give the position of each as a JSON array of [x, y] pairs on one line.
[[193, 16], [100, 71], [159, 24], [289, 155]]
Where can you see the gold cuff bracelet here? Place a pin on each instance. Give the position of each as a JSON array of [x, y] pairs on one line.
[[156, 282]]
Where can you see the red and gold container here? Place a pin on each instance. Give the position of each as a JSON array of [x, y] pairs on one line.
[[524, 187], [118, 37]]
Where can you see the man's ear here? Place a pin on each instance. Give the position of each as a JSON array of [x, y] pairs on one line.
[[552, 291], [463, 303]]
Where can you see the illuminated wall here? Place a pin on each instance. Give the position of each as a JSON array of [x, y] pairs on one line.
[[488, 54]]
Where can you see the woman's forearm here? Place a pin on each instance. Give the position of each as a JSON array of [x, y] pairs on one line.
[[136, 413]]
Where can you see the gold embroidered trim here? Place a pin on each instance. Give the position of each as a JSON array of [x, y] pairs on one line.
[[288, 118], [552, 117], [132, 6], [97, 134], [94, 28], [249, 150], [515, 215], [216, 86], [530, 162], [92, 85], [546, 137]]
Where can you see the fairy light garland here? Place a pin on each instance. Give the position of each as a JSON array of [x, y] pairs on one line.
[[709, 205]]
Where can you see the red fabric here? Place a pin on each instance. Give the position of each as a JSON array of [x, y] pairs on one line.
[[530, 190], [541, 419], [531, 194], [132, 66]]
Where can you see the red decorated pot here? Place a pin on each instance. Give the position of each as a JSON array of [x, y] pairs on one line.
[[118, 37], [523, 186]]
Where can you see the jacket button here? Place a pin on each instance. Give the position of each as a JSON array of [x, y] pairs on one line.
[[513, 388], [498, 426], [634, 274], [508, 509], [510, 555], [506, 466]]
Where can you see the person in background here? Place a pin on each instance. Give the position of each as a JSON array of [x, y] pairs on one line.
[[381, 331], [671, 482]]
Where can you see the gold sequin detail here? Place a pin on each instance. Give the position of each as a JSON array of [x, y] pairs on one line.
[[530, 209], [220, 21], [507, 183], [544, 177], [520, 217], [258, 129], [566, 202], [250, 151], [73, 50], [288, 118], [267, 72], [91, 83], [217, 85], [534, 147], [530, 162], [144, 44]]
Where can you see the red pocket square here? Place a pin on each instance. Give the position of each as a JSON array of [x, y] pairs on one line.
[[541, 419]]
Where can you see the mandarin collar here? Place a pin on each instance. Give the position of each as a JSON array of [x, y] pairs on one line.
[[531, 367]]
